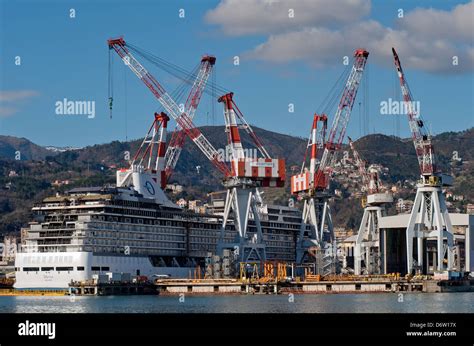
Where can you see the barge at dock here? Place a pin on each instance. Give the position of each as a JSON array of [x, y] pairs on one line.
[[382, 284]]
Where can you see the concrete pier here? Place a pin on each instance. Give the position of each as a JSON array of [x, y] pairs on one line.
[[105, 289], [199, 287]]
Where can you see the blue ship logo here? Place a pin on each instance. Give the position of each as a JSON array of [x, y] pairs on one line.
[[150, 188]]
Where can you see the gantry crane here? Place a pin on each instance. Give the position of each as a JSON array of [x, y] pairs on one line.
[[183, 116], [368, 241], [243, 176], [313, 186], [246, 175], [429, 217], [300, 184]]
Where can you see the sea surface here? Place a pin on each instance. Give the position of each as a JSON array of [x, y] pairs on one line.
[[320, 303]]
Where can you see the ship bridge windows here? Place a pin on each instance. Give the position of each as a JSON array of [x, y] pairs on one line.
[[80, 269], [31, 269], [95, 269], [47, 269], [64, 269]]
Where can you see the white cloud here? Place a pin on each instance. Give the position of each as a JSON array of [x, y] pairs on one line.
[[13, 98], [7, 111], [426, 38], [244, 17], [15, 95], [318, 46], [435, 55], [456, 25]]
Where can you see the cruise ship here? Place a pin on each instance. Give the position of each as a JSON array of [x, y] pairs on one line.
[[98, 230]]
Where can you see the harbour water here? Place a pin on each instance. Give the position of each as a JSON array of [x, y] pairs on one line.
[[321, 303]]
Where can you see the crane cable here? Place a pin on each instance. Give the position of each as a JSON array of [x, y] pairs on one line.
[[328, 104], [365, 99], [177, 93], [111, 84], [213, 96], [334, 93], [126, 103], [176, 70]]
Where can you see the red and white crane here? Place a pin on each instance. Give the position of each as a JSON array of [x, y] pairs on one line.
[[429, 217], [246, 175], [182, 118], [312, 186], [368, 239], [300, 184], [241, 177]]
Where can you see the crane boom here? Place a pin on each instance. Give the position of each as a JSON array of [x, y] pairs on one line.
[[178, 137], [421, 137], [341, 119], [360, 164], [182, 119]]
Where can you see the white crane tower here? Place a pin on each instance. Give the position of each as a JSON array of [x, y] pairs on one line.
[[368, 239]]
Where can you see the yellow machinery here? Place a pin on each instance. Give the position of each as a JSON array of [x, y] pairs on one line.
[[281, 272], [270, 271], [254, 275]]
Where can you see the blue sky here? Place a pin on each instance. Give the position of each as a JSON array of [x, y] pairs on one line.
[[63, 57]]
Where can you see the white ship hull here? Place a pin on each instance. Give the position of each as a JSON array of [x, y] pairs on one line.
[[57, 270], [99, 230]]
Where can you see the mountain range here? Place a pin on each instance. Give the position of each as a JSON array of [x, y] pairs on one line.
[[37, 167]]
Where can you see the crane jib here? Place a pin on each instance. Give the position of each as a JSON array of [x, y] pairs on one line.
[[168, 103], [341, 119], [421, 138]]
